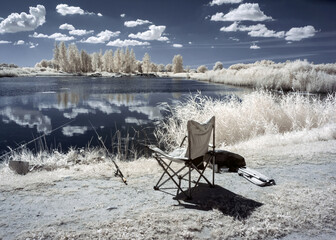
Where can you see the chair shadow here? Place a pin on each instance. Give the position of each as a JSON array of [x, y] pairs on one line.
[[205, 198]]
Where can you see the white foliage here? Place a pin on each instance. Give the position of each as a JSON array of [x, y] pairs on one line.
[[177, 65], [146, 63], [218, 66], [257, 114], [202, 69], [298, 76]]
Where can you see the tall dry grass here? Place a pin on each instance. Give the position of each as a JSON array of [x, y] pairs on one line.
[[258, 113], [288, 76]]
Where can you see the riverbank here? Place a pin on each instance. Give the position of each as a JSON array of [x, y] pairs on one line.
[[287, 76], [86, 201]]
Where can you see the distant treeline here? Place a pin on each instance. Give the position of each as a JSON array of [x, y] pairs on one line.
[[70, 59]]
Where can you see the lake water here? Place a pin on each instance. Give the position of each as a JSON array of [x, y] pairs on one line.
[[116, 107]]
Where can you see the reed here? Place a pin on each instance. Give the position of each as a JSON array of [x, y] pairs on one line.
[[256, 114]]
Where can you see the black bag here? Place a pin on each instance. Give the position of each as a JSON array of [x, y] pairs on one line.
[[225, 159]]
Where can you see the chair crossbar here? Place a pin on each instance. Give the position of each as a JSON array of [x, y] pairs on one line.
[[167, 170]]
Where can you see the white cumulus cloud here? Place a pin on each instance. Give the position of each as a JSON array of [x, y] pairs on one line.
[[254, 46], [232, 28], [67, 26], [32, 45], [65, 9], [136, 23], [122, 15], [56, 36], [19, 42], [80, 32], [154, 33], [16, 22], [5, 42], [299, 33], [177, 45], [245, 12], [220, 2], [126, 43], [258, 30], [102, 37]]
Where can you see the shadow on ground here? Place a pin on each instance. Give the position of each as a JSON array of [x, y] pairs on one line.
[[205, 198]]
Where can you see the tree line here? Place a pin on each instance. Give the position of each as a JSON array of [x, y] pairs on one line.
[[70, 59]]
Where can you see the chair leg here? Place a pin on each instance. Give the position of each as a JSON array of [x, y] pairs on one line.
[[189, 191], [166, 168], [156, 187], [166, 171], [213, 169]]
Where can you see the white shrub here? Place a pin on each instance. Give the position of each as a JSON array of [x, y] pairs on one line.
[[202, 69]]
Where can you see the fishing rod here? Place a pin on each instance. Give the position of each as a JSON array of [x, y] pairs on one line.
[[43, 135], [118, 172]]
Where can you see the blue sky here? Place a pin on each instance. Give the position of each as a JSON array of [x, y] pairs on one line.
[[202, 31]]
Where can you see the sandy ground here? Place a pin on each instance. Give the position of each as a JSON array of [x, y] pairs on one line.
[[88, 202]]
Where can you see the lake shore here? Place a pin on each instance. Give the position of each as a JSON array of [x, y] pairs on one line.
[[87, 201], [287, 76]]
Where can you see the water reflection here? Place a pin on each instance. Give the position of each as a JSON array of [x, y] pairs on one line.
[[110, 104], [27, 118], [70, 131]]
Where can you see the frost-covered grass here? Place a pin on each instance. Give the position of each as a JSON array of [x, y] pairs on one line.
[[52, 160], [288, 76], [259, 113]]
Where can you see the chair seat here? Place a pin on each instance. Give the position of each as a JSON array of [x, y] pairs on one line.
[[178, 155]]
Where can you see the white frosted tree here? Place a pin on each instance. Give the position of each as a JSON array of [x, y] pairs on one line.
[[100, 60], [122, 61], [202, 69], [138, 65], [169, 67], [85, 60], [154, 67], [133, 61], [161, 68], [218, 66], [56, 58], [127, 61], [108, 61], [95, 61], [146, 63], [74, 59], [64, 63], [117, 61], [177, 64]]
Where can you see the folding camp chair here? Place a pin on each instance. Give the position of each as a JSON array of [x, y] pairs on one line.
[[192, 158]]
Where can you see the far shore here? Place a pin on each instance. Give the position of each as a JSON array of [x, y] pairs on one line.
[[297, 75]]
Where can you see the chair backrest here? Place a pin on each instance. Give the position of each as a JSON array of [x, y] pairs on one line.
[[199, 137]]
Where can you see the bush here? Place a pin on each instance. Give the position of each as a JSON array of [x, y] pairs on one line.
[[202, 69], [218, 66]]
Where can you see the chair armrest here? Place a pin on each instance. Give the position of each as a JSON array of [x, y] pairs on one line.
[[183, 141]]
